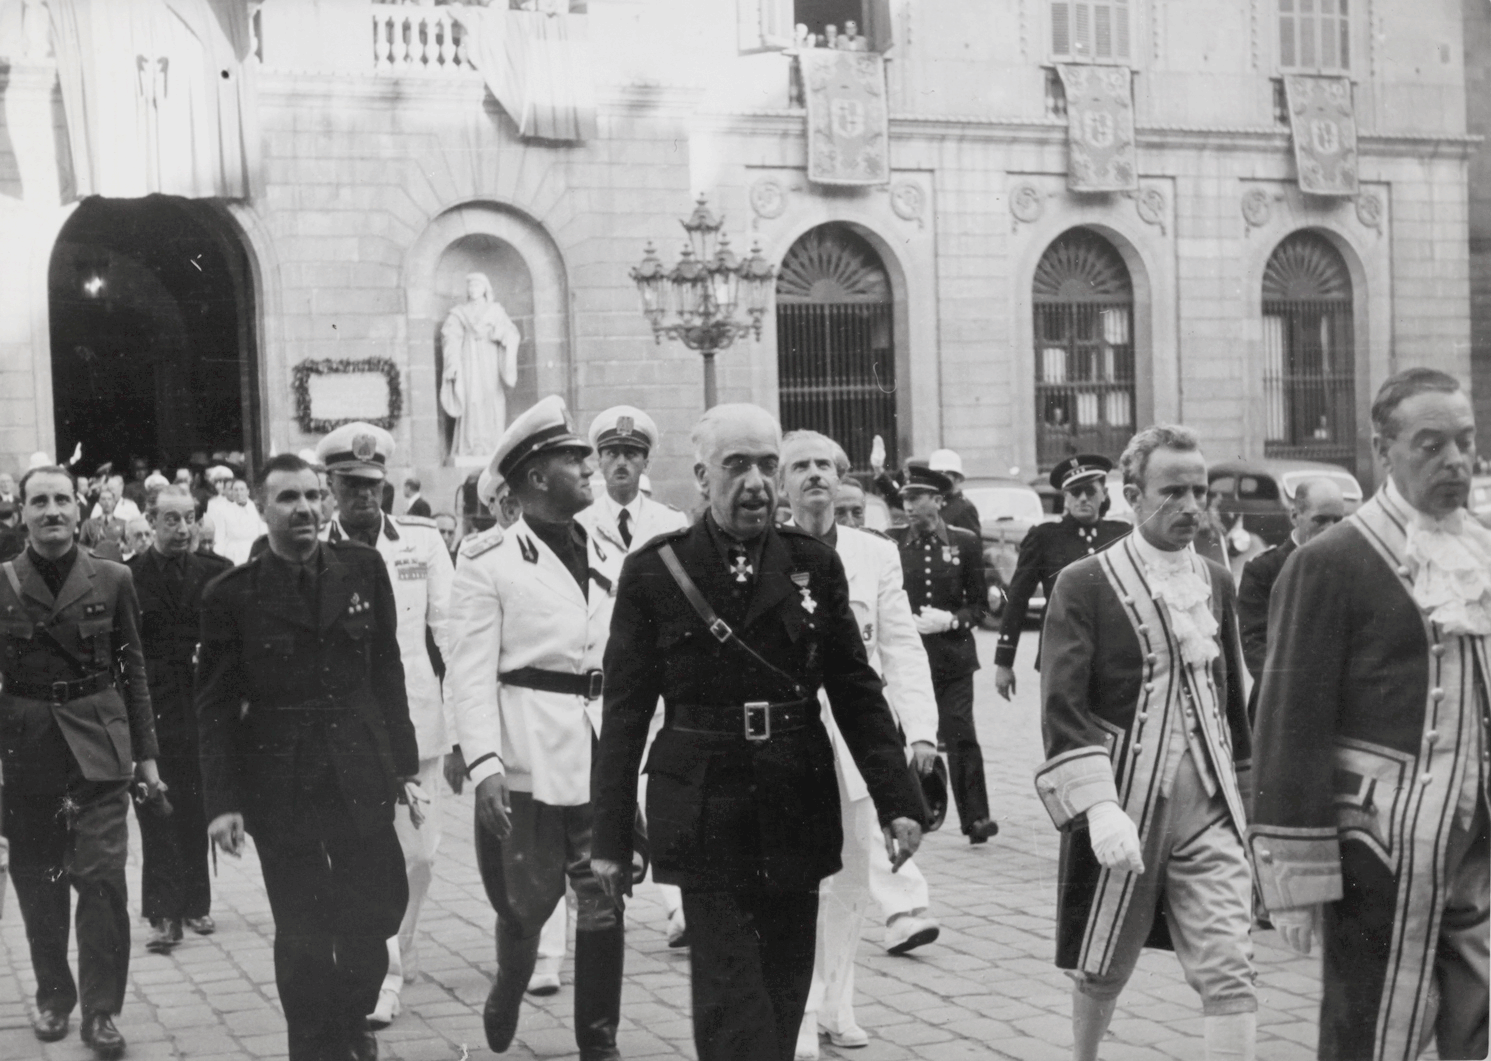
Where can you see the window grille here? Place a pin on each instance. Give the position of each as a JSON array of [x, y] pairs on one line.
[[1084, 349], [1090, 30], [1314, 34], [836, 359], [1309, 356]]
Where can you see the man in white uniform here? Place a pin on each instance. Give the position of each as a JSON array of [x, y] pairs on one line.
[[626, 516], [355, 457], [812, 466], [530, 616]]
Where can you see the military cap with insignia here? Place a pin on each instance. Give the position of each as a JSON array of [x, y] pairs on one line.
[[623, 425], [358, 449], [1082, 468], [543, 428], [920, 477]]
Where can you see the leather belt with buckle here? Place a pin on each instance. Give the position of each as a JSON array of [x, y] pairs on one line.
[[591, 685], [756, 720], [60, 692]]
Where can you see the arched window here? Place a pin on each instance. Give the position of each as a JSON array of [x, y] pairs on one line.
[[1309, 359], [836, 358], [1084, 349]]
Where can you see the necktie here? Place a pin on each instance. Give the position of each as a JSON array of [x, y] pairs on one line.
[[175, 575], [624, 524]]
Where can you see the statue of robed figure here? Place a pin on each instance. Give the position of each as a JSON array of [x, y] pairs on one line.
[[480, 342]]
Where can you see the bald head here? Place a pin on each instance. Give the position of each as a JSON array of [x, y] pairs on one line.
[[737, 450], [1318, 506]]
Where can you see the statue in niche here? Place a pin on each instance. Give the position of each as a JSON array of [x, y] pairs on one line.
[[480, 342]]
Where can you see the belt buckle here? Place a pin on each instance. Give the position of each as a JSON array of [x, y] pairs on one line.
[[757, 716], [595, 684], [720, 629], [59, 692]]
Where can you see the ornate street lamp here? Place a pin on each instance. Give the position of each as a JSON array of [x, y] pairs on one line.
[[704, 291]]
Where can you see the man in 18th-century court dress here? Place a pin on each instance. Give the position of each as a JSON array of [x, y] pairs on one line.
[[480, 344]]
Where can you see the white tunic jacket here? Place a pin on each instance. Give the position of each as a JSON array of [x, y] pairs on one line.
[[877, 594], [650, 518], [419, 568], [515, 605]]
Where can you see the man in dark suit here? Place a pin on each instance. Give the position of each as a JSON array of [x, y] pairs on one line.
[[414, 505], [944, 571], [1049, 547], [74, 719], [1318, 505], [104, 533], [742, 798], [169, 579], [306, 635]]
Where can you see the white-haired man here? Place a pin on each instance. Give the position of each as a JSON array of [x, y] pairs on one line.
[[1146, 731], [812, 468]]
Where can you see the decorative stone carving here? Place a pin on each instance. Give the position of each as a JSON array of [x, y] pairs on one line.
[[1369, 210], [908, 200], [480, 343], [1257, 207], [1027, 203], [1149, 204], [768, 198]]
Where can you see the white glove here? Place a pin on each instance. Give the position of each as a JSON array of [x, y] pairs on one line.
[[1298, 926], [417, 799], [1115, 837], [934, 621], [877, 455]]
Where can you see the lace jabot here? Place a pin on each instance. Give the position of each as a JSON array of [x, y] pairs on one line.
[[1187, 596], [1450, 563]]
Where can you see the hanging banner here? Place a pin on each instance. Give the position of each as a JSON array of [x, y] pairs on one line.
[[1324, 128], [537, 65], [1102, 156], [848, 120]]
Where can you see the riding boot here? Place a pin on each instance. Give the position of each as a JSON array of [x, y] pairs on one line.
[[516, 957], [599, 956]]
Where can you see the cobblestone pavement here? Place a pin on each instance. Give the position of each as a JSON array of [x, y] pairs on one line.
[[985, 989]]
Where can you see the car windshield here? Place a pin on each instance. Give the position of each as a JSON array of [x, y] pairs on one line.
[[996, 503], [1351, 490]]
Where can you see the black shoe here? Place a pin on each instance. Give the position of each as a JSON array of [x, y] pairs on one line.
[[362, 1045], [202, 926], [99, 1032], [980, 831], [164, 935], [50, 1025]]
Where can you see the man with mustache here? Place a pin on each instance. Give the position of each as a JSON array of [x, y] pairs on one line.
[[307, 745], [170, 578], [1146, 734], [530, 611], [1370, 825], [75, 724], [812, 467], [736, 624]]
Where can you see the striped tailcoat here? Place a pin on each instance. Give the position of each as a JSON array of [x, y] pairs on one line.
[[1369, 733], [1112, 680]]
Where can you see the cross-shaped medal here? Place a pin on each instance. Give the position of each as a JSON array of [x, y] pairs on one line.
[[741, 568]]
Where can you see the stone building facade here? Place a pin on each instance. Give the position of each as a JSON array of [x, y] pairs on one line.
[[974, 300]]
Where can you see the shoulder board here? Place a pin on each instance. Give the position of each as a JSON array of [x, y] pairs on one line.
[[414, 521], [954, 532], [661, 539], [876, 533], [473, 545]]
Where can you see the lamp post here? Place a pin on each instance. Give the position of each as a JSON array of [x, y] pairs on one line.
[[703, 291]]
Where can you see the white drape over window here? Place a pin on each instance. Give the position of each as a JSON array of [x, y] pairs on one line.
[[538, 67], [158, 96]]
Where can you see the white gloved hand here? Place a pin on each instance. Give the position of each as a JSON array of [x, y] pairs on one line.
[[1298, 926], [877, 455], [1115, 837], [934, 621]]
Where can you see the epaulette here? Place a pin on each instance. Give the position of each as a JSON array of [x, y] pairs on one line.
[[414, 521], [473, 545], [955, 531], [659, 539]]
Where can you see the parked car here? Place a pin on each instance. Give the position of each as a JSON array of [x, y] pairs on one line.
[[1007, 509], [1259, 492]]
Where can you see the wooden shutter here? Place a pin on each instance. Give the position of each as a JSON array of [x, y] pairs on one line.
[[878, 29]]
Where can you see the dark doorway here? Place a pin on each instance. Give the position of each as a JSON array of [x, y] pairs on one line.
[[836, 357], [152, 322]]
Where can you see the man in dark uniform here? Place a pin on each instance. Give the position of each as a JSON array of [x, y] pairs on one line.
[[957, 510], [742, 799], [1049, 547], [1318, 505], [306, 634], [169, 579], [74, 718], [944, 571]]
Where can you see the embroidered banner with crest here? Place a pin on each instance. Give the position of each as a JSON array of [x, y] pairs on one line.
[[1324, 128], [1102, 155], [848, 119]]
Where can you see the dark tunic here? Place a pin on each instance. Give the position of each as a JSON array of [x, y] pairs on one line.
[[944, 568]]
